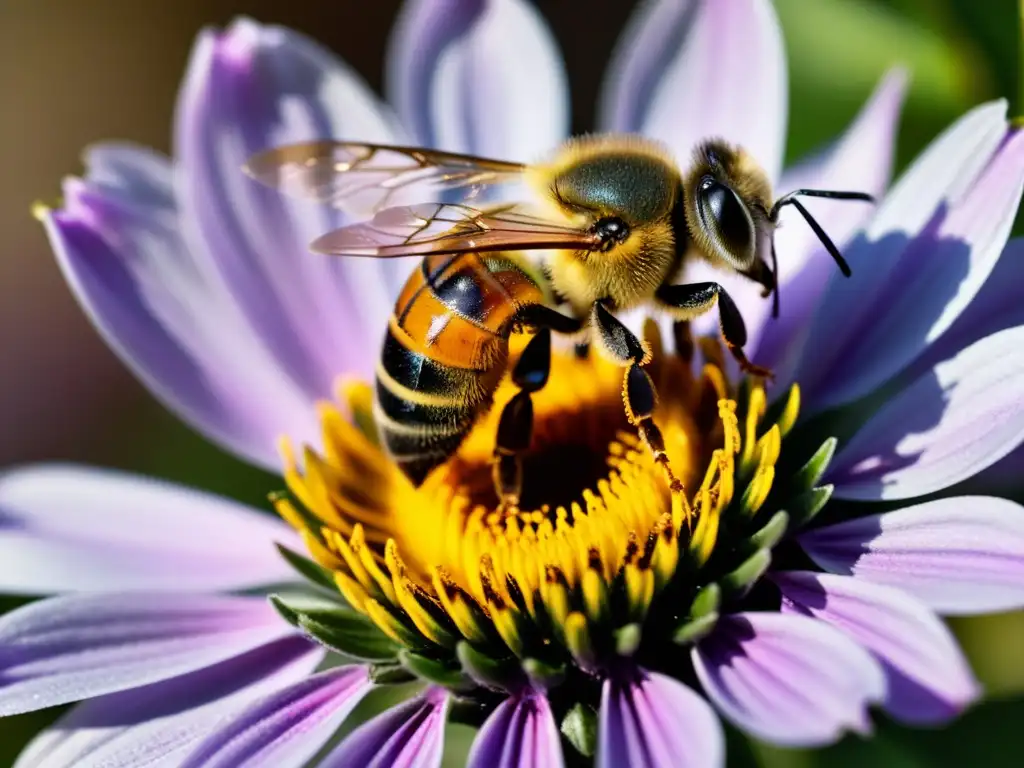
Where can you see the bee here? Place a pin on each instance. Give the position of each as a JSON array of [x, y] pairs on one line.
[[616, 221]]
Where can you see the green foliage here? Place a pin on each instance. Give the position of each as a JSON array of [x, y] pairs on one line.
[[340, 629], [312, 572], [579, 726]]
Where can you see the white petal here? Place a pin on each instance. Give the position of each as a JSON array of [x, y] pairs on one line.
[[479, 77], [955, 420], [76, 529], [921, 260], [789, 680], [960, 556], [928, 679], [76, 647], [728, 79], [157, 725]]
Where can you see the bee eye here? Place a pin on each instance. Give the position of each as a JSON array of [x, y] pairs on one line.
[[612, 230], [726, 220]]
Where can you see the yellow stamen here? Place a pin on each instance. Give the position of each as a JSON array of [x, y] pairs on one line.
[[390, 623], [351, 590], [577, 638], [755, 412], [41, 210], [412, 600], [463, 610], [597, 535], [790, 411]]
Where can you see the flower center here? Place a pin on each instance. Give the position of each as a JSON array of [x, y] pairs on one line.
[[596, 538]]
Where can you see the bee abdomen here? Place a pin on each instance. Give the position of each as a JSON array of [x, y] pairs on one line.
[[425, 407], [445, 351]]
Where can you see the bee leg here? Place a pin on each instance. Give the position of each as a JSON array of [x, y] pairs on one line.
[[688, 301], [515, 428], [683, 338], [638, 392], [543, 316]]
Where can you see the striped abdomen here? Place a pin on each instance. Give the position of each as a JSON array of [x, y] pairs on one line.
[[445, 352]]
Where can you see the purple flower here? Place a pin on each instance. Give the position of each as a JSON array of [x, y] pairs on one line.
[[586, 614]]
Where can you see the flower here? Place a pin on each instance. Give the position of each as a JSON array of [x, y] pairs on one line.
[[601, 610]]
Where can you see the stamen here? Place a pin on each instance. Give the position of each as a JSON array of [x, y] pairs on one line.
[[608, 509]]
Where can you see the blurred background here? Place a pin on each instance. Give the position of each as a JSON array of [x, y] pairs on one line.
[[74, 72]]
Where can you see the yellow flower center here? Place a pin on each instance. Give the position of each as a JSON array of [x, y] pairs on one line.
[[597, 535]]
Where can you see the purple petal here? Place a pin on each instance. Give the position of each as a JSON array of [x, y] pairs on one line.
[[520, 733], [410, 735], [247, 89], [861, 160], [948, 425], [79, 646], [653, 37], [118, 243], [1004, 476], [928, 678], [996, 308], [726, 57], [922, 260], [288, 727], [479, 76], [160, 723], [787, 679], [960, 556], [657, 722], [77, 529], [134, 172]]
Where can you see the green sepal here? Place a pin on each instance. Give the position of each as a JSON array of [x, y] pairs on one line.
[[497, 674], [627, 639], [803, 508], [307, 569], [810, 473], [696, 629], [748, 506], [293, 605], [579, 726], [707, 600], [771, 533], [433, 671], [738, 582], [340, 629], [390, 674], [543, 674]]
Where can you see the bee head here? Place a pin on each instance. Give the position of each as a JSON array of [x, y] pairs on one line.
[[731, 217], [727, 203]]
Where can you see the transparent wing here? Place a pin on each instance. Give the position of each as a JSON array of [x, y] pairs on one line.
[[365, 178], [429, 228]]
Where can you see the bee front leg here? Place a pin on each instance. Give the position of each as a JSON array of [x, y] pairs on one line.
[[689, 301], [621, 345], [515, 427], [530, 374]]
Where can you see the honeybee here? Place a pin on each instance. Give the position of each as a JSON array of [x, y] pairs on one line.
[[616, 219]]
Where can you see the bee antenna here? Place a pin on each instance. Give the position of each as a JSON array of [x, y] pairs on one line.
[[791, 199], [775, 281]]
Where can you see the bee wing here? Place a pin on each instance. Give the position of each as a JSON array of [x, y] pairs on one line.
[[365, 178], [430, 228]]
